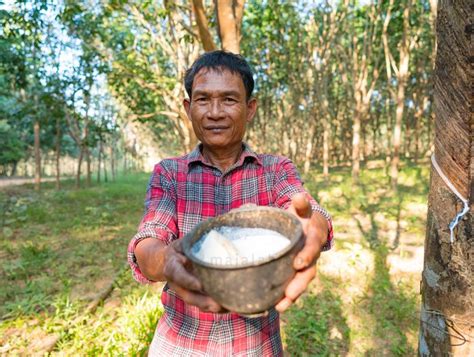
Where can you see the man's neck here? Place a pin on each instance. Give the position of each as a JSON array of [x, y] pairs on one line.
[[222, 159]]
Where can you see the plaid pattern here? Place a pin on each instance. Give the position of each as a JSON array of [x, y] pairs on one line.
[[228, 335], [181, 193]]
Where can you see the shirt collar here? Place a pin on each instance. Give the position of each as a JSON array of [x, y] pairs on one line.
[[196, 155]]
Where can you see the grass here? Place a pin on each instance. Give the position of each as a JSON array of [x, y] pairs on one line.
[[316, 326], [59, 249], [366, 299]]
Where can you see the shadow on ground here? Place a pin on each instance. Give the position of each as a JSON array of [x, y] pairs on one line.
[[391, 306]]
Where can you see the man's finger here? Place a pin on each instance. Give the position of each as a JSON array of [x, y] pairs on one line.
[[203, 302], [299, 283], [284, 304], [178, 246], [302, 205], [175, 271], [296, 287], [310, 252]]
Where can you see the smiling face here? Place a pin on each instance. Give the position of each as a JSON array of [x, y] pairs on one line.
[[219, 110]]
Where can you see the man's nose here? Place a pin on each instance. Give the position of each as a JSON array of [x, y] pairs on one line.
[[215, 109]]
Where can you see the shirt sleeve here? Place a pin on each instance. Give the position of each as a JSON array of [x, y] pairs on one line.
[[287, 184], [159, 219]]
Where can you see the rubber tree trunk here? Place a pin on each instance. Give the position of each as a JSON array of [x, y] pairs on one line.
[[229, 15], [356, 147], [447, 311], [100, 161], [104, 166], [402, 77], [14, 167], [326, 131], [88, 166], [112, 162], [229, 21], [309, 151], [36, 124], [58, 153], [36, 130], [203, 27], [79, 165]]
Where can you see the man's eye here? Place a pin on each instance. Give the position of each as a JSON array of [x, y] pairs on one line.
[[201, 99], [229, 100]]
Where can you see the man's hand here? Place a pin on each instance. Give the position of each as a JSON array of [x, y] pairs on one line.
[[159, 262], [186, 285], [315, 228]]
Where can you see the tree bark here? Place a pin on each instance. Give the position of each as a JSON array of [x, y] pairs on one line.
[[104, 166], [79, 164], [167, 38], [422, 100], [36, 124], [203, 27], [84, 140], [75, 132], [112, 162], [326, 131], [356, 147], [447, 310], [99, 161], [14, 167], [229, 20], [402, 77], [397, 132], [363, 82], [309, 151], [58, 152], [36, 128], [88, 166]]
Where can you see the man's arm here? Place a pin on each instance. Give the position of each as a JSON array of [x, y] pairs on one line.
[[155, 254], [158, 222], [150, 255], [317, 227], [161, 262]]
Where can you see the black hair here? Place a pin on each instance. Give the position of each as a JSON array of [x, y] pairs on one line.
[[219, 61]]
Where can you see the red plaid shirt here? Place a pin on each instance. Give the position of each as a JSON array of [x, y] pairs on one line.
[[181, 193]]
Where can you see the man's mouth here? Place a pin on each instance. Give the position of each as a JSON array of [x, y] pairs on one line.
[[216, 128]]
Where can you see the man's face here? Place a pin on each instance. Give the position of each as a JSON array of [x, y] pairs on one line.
[[218, 109]]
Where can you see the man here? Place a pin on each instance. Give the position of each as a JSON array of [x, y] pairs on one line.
[[221, 174]]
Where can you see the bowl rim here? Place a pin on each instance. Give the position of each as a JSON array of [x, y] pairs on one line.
[[187, 246]]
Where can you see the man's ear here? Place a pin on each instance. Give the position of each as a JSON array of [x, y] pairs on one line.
[[251, 109], [187, 107]]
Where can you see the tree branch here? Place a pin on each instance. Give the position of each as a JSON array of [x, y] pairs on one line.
[[203, 27]]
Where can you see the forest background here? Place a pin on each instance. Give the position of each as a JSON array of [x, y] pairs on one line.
[[95, 89], [338, 82]]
